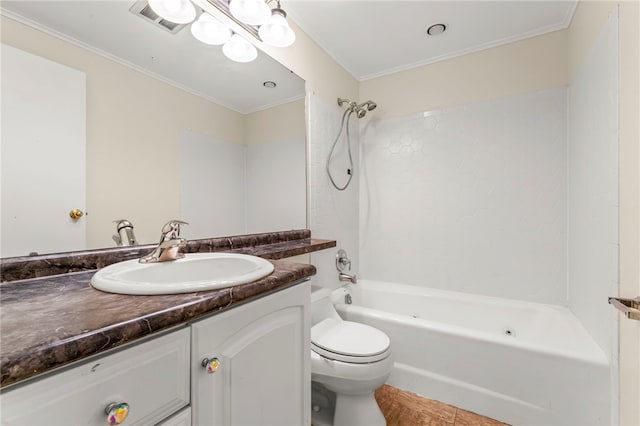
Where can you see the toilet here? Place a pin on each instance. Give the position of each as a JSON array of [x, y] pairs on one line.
[[349, 361]]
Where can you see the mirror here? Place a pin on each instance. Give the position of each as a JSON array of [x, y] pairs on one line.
[[172, 129]]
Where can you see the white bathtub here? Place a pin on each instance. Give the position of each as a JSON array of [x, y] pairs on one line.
[[518, 362]]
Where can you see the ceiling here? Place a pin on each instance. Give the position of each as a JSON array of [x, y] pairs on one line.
[[369, 38], [373, 38], [109, 28]]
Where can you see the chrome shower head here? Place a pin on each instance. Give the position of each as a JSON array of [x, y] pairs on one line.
[[370, 105], [361, 112]]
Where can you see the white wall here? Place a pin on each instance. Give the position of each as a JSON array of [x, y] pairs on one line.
[[470, 198], [593, 187], [589, 20], [212, 186], [275, 185], [514, 71], [333, 214]]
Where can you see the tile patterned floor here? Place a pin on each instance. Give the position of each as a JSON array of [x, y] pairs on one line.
[[402, 408]]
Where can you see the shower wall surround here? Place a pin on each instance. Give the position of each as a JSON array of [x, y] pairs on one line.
[[205, 164], [238, 179], [593, 188], [332, 213], [471, 198], [276, 176]]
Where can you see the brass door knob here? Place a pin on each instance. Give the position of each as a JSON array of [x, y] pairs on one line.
[[76, 214]]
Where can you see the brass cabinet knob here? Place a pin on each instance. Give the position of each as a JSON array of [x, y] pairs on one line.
[[76, 214]]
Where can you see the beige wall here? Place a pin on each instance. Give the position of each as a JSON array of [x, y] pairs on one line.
[[629, 207], [525, 66], [133, 124], [277, 123], [588, 19]]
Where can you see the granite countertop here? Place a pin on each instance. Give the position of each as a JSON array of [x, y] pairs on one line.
[[272, 245], [50, 321]]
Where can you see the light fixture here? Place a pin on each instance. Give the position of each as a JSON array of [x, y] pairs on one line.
[[239, 50], [176, 11], [276, 31], [252, 12], [269, 84], [209, 30]]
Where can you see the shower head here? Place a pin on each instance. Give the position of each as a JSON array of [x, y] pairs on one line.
[[370, 105], [359, 109]]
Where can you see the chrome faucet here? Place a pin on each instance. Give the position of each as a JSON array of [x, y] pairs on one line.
[[342, 261], [169, 245], [346, 277], [125, 235]]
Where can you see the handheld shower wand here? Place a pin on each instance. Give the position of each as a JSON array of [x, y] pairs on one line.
[[360, 110]]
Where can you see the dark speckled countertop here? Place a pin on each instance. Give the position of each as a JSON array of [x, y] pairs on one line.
[[54, 320]]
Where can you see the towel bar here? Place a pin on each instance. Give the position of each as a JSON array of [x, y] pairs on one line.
[[629, 307]]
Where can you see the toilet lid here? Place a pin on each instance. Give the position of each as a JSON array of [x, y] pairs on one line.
[[349, 341]]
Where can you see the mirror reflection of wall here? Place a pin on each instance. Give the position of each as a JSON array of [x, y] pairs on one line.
[[136, 128], [229, 188]]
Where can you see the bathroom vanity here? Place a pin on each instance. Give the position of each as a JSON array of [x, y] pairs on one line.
[[222, 357], [261, 374]]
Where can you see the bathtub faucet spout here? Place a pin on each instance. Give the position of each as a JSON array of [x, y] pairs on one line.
[[346, 277]]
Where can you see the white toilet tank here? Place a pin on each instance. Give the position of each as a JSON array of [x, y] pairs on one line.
[[321, 306]]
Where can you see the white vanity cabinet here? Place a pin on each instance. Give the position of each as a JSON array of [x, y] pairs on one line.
[[263, 371], [263, 375], [151, 377]]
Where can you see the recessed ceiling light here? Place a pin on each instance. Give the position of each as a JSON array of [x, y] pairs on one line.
[[269, 84], [436, 29]]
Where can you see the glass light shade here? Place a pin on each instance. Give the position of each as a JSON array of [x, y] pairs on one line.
[[252, 12], [239, 50], [209, 30], [176, 11], [276, 31]]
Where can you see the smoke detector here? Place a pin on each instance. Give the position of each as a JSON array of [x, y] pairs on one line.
[[436, 29]]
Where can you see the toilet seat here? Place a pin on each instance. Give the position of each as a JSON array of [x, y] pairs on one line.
[[349, 341]]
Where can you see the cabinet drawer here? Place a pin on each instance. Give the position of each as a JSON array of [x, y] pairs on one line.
[[152, 377], [183, 418]]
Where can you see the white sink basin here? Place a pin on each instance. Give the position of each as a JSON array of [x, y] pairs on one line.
[[194, 272]]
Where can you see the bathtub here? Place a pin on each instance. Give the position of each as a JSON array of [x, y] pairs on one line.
[[519, 362]]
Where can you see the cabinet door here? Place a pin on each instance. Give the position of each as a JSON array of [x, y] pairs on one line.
[[152, 377], [264, 375]]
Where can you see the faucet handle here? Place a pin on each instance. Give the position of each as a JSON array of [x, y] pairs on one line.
[[342, 260], [171, 229]]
